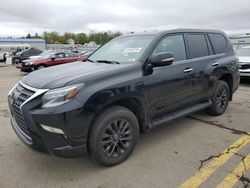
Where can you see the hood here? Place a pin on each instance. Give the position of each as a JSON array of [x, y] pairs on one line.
[[32, 58], [35, 57], [59, 76], [244, 59]]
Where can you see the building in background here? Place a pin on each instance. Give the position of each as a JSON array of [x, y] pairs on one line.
[[71, 42], [15, 42], [240, 40]]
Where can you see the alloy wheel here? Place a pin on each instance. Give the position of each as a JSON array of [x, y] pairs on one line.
[[222, 98], [116, 138]]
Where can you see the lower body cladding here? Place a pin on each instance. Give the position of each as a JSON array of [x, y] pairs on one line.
[[61, 134], [25, 68]]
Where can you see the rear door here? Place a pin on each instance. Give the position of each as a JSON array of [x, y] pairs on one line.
[[206, 58], [70, 57], [200, 54]]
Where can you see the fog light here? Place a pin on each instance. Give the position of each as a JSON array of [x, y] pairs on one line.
[[52, 129]]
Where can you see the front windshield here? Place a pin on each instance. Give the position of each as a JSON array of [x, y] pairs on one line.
[[123, 49], [243, 52]]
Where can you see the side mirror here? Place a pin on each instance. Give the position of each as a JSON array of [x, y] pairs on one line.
[[162, 59]]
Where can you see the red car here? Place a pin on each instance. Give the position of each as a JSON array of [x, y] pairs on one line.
[[50, 59]]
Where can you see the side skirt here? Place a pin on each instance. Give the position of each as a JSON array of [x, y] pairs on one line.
[[180, 113]]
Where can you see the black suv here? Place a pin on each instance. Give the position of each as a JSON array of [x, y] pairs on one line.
[[130, 85], [20, 56]]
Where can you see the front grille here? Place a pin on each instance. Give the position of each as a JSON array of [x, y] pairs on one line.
[[18, 96], [245, 66]]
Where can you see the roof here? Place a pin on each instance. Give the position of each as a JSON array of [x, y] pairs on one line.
[[21, 40], [183, 30]]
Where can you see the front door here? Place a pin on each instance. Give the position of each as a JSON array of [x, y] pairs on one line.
[[169, 87], [59, 59]]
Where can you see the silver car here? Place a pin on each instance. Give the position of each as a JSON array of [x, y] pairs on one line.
[[244, 61]]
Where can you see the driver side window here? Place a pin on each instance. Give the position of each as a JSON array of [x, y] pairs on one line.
[[59, 55], [174, 44]]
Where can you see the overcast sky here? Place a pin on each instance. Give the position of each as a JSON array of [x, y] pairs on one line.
[[19, 17]]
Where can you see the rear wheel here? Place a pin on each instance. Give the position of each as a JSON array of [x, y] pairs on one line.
[[113, 136], [220, 99]]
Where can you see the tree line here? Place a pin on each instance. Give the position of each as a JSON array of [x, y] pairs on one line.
[[79, 38]]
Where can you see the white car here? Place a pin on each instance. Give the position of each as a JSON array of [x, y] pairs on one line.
[[3, 56], [244, 61]]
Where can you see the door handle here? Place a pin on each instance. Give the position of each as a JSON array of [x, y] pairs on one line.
[[216, 64], [187, 70]]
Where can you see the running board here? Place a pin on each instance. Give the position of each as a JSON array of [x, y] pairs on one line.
[[180, 113]]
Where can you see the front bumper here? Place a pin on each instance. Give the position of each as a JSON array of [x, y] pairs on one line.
[[25, 68], [58, 147], [69, 144], [245, 72]]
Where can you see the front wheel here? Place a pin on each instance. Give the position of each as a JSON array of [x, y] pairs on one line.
[[4, 58], [113, 136], [220, 99], [15, 61], [40, 67]]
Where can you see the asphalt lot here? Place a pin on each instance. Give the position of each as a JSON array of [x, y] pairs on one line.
[[192, 151]]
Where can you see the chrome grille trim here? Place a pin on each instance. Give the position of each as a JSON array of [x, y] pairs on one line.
[[25, 94], [37, 93]]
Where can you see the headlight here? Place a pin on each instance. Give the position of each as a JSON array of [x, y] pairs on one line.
[[60, 96], [28, 63]]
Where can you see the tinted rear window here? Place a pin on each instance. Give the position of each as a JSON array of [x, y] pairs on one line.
[[197, 45], [219, 42]]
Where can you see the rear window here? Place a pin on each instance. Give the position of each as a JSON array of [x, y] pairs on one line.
[[219, 42], [69, 54], [197, 45]]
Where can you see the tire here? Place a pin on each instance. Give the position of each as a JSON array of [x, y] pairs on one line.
[[40, 67], [17, 60], [220, 99], [114, 129], [4, 58]]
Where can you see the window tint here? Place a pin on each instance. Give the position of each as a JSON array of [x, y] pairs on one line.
[[69, 54], [60, 55], [219, 42], [174, 44], [197, 45]]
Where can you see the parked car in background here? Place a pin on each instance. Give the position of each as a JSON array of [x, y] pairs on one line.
[[41, 56], [130, 85], [20, 56], [85, 53], [50, 59], [3, 56], [244, 61]]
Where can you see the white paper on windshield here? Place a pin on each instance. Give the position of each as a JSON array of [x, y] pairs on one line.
[[132, 50]]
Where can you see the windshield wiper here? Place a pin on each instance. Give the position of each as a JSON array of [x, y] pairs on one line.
[[107, 61], [91, 60]]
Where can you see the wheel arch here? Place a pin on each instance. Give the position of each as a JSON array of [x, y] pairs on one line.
[[228, 78], [36, 66], [132, 103], [135, 106]]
